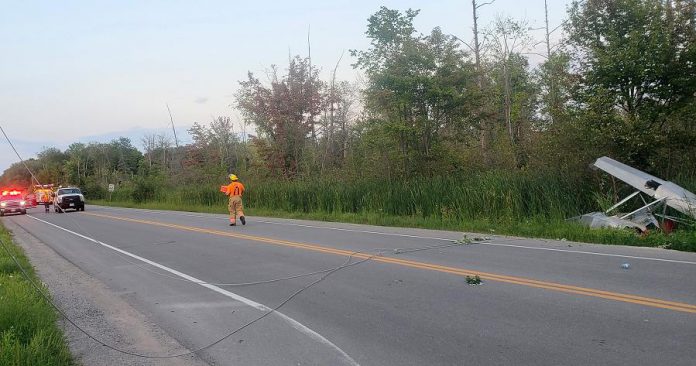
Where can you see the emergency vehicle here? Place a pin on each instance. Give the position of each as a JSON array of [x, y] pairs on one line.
[[44, 195], [12, 201]]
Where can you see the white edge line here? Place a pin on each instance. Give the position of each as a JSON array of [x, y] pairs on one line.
[[434, 238], [294, 323], [591, 253]]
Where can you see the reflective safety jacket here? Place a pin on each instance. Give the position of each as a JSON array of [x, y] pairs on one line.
[[233, 189]]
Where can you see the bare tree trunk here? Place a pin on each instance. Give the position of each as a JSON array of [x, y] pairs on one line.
[[332, 100], [552, 74], [479, 82], [508, 101]]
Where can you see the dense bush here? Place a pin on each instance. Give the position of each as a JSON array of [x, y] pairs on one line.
[[144, 190]]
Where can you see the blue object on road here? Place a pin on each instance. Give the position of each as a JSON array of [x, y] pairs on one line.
[[626, 266]]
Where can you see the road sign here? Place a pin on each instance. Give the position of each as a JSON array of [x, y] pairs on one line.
[[112, 187]]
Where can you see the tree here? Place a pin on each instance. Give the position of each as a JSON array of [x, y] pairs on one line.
[[285, 113], [419, 88], [215, 148], [557, 83], [636, 63], [338, 114], [17, 174], [224, 140], [149, 142], [508, 38], [127, 155], [76, 166], [52, 162]]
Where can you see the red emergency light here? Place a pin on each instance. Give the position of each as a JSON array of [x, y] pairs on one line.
[[13, 192]]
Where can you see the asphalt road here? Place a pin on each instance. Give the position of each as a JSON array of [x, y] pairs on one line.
[[403, 300]]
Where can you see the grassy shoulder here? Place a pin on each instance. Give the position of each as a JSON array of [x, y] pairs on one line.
[[684, 240], [29, 334]]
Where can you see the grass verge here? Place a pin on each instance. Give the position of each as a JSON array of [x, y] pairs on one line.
[[29, 334], [535, 227]]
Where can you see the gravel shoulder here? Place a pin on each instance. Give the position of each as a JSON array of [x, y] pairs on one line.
[[98, 310]]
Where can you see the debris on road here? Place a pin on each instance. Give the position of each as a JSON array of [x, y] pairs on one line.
[[473, 280], [466, 240]]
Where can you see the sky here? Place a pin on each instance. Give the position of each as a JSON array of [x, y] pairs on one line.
[[93, 70]]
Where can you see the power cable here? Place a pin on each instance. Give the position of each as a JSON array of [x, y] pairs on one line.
[[399, 250], [326, 273], [346, 264], [280, 279], [20, 157]]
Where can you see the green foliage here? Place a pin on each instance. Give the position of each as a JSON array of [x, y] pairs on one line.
[[93, 190], [633, 57], [285, 114], [144, 190], [28, 331], [419, 89], [215, 149], [493, 195]]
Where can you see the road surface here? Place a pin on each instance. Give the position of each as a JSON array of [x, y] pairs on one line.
[[380, 296]]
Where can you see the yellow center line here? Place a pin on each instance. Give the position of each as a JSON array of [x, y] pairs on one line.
[[633, 299]]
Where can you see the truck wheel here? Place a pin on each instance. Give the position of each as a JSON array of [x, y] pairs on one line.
[[24, 212], [2, 213]]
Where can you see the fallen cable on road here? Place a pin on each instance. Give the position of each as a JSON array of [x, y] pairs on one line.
[[380, 251], [326, 273], [117, 349]]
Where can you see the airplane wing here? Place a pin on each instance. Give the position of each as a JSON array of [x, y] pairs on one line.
[[674, 196]]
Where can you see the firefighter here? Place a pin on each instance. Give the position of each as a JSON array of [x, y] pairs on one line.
[[235, 190]]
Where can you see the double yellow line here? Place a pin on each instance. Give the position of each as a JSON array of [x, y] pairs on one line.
[[633, 299]]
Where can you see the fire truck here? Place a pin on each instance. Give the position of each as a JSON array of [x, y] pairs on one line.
[[12, 201], [44, 195]]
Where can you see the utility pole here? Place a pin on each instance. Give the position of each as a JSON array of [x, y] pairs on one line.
[[176, 141], [176, 162]]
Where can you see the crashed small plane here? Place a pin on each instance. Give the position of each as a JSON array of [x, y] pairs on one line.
[[660, 193]]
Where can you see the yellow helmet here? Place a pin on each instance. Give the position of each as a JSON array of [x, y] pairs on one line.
[[233, 177]]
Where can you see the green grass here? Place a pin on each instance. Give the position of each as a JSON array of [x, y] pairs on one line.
[[509, 203], [493, 195], [29, 334]]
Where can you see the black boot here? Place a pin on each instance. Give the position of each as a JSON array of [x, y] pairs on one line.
[[242, 219]]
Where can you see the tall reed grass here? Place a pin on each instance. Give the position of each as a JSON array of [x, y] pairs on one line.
[[514, 203], [493, 195]]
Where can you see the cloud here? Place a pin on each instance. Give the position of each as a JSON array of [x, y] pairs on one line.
[[201, 100]]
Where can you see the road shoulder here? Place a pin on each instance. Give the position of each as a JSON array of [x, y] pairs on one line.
[[95, 308]]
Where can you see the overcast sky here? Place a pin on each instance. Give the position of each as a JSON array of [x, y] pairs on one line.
[[91, 70]]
